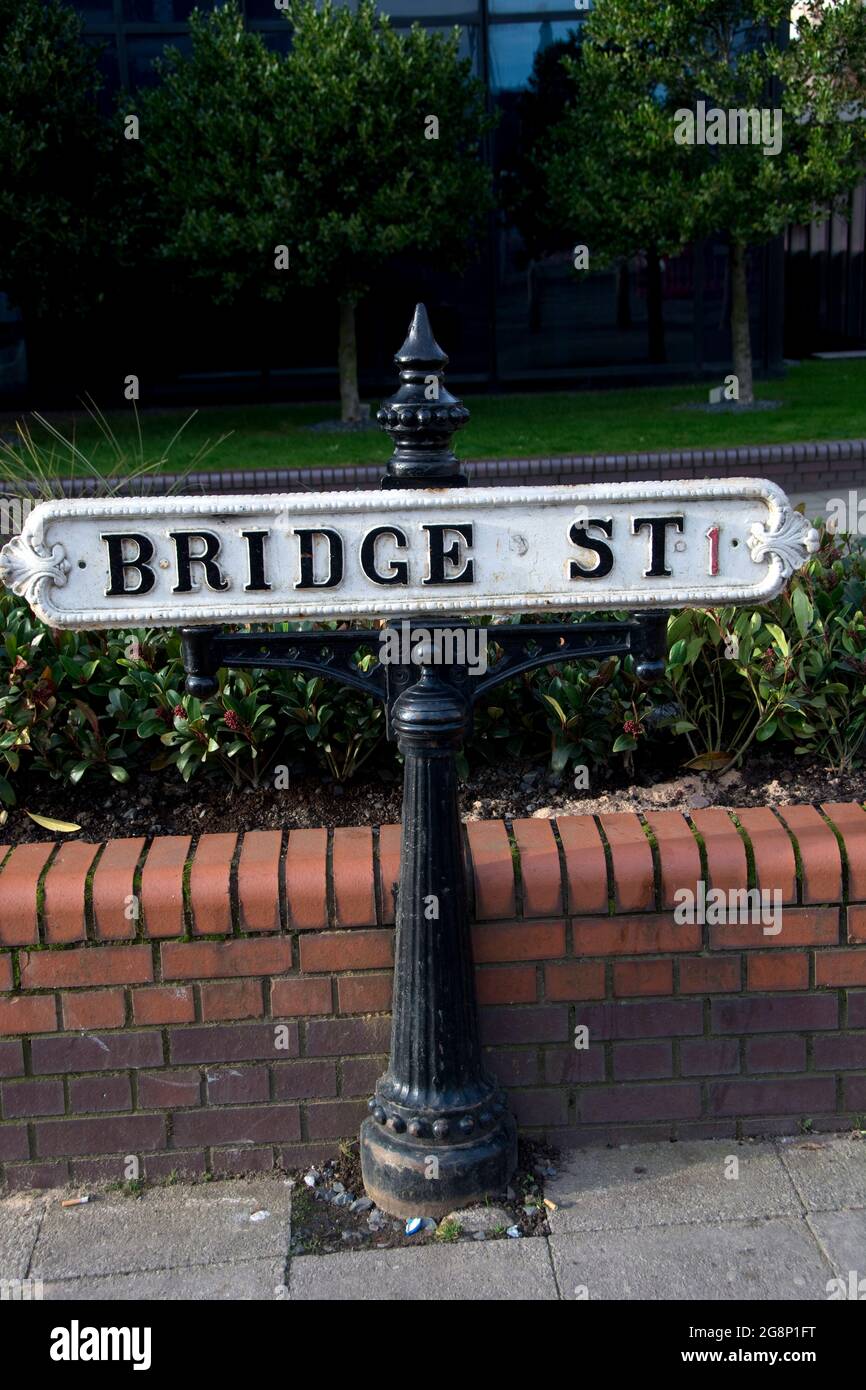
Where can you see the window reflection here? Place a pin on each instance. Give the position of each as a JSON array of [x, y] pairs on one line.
[[513, 48], [400, 9], [164, 11], [95, 11], [469, 41], [430, 9], [535, 6], [141, 52]]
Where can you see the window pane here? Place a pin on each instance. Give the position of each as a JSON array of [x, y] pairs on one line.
[[140, 54], [163, 11], [409, 9], [429, 9], [398, 9], [95, 11], [263, 9], [537, 6], [469, 41], [105, 47], [513, 48]]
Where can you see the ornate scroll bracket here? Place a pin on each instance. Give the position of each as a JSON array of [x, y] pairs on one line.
[[29, 566], [790, 541]]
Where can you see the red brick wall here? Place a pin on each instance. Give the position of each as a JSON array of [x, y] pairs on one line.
[[224, 1006]]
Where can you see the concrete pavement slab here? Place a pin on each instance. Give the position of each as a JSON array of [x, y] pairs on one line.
[[650, 1221], [490, 1270], [645, 1185], [827, 1171], [20, 1217], [163, 1228], [758, 1259], [843, 1235], [240, 1280]]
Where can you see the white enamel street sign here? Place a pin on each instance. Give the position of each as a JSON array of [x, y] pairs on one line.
[[129, 562]]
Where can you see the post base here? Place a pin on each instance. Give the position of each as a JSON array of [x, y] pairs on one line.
[[408, 1177]]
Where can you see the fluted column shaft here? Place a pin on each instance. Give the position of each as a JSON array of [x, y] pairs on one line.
[[435, 1054], [439, 1133]]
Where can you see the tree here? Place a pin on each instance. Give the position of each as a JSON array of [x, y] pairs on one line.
[[316, 167], [55, 151], [659, 73]]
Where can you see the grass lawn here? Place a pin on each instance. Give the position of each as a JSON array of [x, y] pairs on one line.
[[820, 400]]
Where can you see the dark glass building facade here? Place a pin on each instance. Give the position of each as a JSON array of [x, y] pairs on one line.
[[506, 323], [825, 283]]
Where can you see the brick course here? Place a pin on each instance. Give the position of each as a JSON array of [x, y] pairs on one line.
[[241, 1018]]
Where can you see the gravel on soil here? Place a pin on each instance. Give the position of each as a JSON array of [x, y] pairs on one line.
[[330, 1213]]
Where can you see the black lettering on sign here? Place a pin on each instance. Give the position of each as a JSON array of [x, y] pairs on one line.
[[207, 559], [335, 559], [117, 565], [438, 554], [579, 535], [399, 569], [657, 526], [256, 557]]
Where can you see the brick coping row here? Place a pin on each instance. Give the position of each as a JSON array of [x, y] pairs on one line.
[[273, 881]]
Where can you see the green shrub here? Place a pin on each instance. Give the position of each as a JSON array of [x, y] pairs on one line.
[[106, 705], [76, 704], [791, 671]]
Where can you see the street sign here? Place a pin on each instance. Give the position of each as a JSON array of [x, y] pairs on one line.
[[438, 1134], [128, 562]]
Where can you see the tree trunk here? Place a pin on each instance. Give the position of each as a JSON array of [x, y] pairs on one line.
[[623, 307], [350, 403], [741, 339], [654, 318]]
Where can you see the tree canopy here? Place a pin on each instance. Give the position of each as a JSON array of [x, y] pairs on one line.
[[617, 167], [359, 144], [55, 156]]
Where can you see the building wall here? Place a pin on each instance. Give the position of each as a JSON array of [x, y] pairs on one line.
[[825, 289]]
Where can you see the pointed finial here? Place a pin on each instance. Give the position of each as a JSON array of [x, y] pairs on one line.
[[420, 347], [422, 415]]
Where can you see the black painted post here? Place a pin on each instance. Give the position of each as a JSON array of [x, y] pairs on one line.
[[439, 1134]]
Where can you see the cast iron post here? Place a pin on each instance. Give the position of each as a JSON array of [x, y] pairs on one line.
[[439, 1134]]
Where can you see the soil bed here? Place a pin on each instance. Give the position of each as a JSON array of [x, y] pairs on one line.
[[154, 804]]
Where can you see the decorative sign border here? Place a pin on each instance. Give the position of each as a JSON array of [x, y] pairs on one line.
[[33, 569]]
